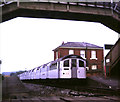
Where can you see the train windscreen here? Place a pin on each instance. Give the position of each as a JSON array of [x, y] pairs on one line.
[[66, 63], [81, 63], [74, 63]]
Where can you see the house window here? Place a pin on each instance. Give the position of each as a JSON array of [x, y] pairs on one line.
[[82, 53], [56, 55], [93, 55], [87, 68], [94, 67], [71, 52], [107, 60]]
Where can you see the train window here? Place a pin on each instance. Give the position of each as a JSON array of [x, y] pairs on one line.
[[44, 66], [32, 70], [53, 66], [38, 68], [81, 63], [66, 63], [73, 62]]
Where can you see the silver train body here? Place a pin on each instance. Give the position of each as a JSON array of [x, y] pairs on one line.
[[71, 66]]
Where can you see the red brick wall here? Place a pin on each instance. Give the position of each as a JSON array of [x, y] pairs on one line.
[[88, 54], [77, 51], [65, 51]]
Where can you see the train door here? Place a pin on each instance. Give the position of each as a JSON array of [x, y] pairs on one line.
[[73, 68], [65, 71], [81, 72]]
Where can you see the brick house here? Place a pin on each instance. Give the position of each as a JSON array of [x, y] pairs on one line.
[[92, 53]]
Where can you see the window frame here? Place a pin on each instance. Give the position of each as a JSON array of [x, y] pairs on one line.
[[68, 63], [82, 52], [54, 64], [56, 54], [93, 54], [79, 65], [75, 63], [94, 67], [71, 52]]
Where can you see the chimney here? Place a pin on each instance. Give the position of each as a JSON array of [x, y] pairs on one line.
[[63, 43]]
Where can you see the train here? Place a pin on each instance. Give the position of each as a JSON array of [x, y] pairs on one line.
[[67, 67]]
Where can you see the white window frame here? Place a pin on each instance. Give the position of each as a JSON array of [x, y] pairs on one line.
[[93, 55], [87, 68], [107, 60], [94, 67], [57, 55], [82, 53], [71, 52]]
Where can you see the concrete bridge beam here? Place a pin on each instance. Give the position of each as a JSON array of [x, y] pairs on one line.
[[66, 11]]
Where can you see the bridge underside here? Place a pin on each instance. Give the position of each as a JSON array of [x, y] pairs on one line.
[[61, 12]]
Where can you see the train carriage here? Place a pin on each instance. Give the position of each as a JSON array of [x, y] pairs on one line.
[[70, 66], [44, 72], [26, 75], [37, 73], [52, 70], [32, 73], [29, 74]]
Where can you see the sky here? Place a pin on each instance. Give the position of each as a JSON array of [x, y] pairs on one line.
[[27, 43]]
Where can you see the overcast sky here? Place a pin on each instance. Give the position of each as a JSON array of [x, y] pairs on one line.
[[28, 42]]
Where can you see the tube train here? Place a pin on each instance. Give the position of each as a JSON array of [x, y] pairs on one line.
[[67, 67]]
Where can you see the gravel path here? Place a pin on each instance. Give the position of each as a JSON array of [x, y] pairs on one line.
[[41, 90], [16, 91]]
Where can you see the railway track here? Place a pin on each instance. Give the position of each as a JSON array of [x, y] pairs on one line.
[[106, 91], [16, 91], [79, 85], [64, 99]]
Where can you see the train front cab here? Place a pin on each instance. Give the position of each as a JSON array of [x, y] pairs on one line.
[[73, 68]]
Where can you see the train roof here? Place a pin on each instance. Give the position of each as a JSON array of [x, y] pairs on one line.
[[67, 56], [52, 62], [72, 56], [60, 59]]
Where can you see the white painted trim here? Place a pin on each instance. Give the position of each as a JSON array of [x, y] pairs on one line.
[[94, 58], [71, 52]]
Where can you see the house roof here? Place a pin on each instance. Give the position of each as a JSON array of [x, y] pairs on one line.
[[78, 45]]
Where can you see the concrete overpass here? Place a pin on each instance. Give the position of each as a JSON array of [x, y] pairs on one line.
[[104, 12]]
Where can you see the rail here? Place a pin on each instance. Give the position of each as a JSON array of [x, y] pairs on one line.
[[115, 6]]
